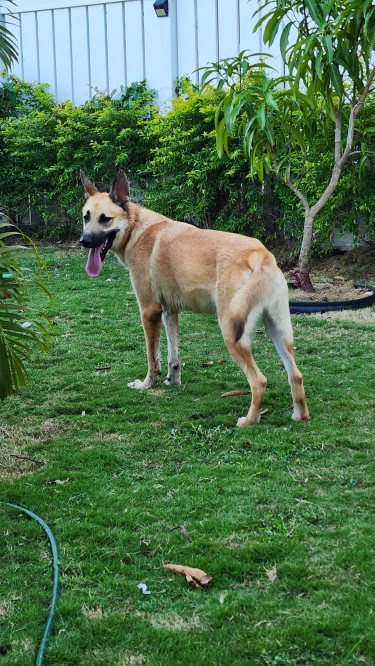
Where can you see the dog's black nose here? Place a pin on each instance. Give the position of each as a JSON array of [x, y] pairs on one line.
[[87, 241], [93, 240]]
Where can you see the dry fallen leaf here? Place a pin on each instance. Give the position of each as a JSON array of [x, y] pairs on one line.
[[207, 364], [271, 574], [196, 577], [57, 482]]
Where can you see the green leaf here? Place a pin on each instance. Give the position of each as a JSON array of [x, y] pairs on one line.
[[271, 28], [336, 79], [318, 65], [306, 100], [284, 39], [329, 48], [314, 11], [262, 18], [234, 109], [261, 116], [220, 137]]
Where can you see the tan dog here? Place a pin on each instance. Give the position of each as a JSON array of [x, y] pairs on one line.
[[174, 266]]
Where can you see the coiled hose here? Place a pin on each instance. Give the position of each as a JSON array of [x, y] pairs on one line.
[[55, 587]]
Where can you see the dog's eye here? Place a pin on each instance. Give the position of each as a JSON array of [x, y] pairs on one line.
[[86, 216], [103, 219]]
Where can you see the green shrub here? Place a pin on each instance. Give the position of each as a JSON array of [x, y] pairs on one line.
[[189, 180], [44, 149], [18, 98], [172, 161]]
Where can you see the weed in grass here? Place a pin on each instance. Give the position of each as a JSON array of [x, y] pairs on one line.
[[134, 468]]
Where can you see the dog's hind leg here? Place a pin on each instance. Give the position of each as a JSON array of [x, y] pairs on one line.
[[279, 328], [170, 320], [241, 354], [151, 321]]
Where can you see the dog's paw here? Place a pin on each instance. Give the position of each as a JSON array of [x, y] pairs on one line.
[[244, 421], [298, 417], [172, 382], [137, 384]]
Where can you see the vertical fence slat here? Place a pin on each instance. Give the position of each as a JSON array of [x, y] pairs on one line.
[[135, 70], [115, 46], [46, 49], [37, 44], [106, 46], [124, 45], [206, 16], [54, 54], [71, 53]]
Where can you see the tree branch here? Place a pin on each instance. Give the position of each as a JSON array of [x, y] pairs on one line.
[[353, 114], [288, 181], [338, 137], [341, 159], [366, 91]]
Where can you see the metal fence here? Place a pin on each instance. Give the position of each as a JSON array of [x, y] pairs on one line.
[[79, 47]]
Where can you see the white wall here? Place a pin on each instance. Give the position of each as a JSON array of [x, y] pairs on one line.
[[78, 46]]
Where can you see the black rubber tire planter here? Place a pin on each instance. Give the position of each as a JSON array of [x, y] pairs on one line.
[[307, 307]]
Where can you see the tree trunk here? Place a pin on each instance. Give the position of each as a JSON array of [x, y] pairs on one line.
[[304, 271], [339, 161]]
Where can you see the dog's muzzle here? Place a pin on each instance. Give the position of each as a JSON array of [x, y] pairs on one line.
[[98, 244], [87, 240], [105, 240]]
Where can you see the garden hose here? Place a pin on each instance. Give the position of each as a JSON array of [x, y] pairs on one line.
[[55, 588]]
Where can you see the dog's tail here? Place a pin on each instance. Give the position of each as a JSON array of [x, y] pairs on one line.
[[250, 300]]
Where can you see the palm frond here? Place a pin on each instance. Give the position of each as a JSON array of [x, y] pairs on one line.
[[22, 328], [8, 45]]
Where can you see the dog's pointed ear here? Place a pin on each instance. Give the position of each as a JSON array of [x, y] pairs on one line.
[[88, 186], [120, 192]]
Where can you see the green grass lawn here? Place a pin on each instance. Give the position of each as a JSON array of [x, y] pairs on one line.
[[122, 469]]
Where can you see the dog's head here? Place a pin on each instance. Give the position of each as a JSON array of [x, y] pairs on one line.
[[103, 220]]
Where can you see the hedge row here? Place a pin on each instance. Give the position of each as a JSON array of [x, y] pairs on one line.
[[171, 160]]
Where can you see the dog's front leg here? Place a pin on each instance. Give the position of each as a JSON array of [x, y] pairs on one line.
[[151, 321], [170, 320]]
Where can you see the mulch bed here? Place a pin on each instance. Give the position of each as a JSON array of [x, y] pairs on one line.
[[326, 291]]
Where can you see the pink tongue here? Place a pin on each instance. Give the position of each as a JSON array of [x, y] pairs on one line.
[[94, 262]]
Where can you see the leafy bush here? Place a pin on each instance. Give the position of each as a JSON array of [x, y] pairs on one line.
[[171, 158], [45, 145], [18, 98], [192, 183], [189, 180]]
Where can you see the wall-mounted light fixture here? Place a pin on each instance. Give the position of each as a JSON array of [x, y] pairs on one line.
[[161, 7]]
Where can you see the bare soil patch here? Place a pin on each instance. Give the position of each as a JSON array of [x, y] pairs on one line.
[[337, 290], [357, 264], [333, 276]]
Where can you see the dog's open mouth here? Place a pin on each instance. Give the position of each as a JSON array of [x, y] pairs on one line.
[[97, 256]]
